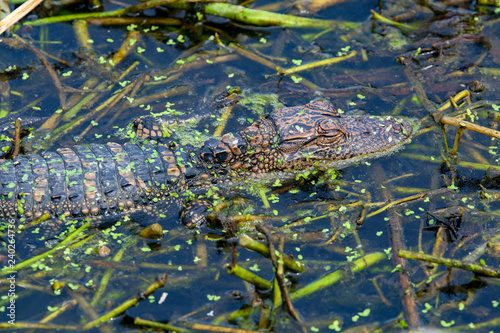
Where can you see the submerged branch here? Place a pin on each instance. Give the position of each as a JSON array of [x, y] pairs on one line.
[[18, 43], [166, 327], [473, 267], [279, 270], [60, 246], [470, 126], [407, 292], [407, 199], [383, 19], [40, 326], [462, 164], [128, 304]]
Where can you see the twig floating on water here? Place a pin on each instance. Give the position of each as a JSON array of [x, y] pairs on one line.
[[470, 126], [324, 62], [473, 267], [18, 14]]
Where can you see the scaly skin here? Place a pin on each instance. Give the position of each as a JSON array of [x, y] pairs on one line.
[[108, 180]]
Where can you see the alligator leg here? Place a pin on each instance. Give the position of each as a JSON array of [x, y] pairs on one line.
[[201, 212], [194, 214]]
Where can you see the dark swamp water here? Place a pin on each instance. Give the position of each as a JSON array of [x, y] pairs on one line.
[[173, 60]]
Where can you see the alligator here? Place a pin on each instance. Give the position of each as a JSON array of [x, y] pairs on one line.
[[106, 180]]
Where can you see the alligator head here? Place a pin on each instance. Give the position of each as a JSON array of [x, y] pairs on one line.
[[295, 138]]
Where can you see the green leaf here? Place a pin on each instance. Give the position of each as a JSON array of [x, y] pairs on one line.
[[254, 268], [335, 326], [447, 324], [365, 313]]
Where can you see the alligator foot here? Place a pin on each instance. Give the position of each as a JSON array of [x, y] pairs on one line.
[[228, 226], [195, 213]]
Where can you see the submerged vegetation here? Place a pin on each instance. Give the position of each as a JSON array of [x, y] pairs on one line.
[[409, 240]]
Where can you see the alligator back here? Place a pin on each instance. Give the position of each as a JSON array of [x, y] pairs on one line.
[[87, 181]]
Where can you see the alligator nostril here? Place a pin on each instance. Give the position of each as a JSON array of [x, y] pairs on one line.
[[207, 156], [221, 156]]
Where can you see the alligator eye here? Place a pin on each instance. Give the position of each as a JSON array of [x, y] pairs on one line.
[[330, 133], [327, 125], [334, 138]]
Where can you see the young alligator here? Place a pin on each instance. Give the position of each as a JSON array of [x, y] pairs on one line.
[[108, 180]]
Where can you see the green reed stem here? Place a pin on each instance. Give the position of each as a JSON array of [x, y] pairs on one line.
[[340, 274], [248, 276], [258, 247]]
